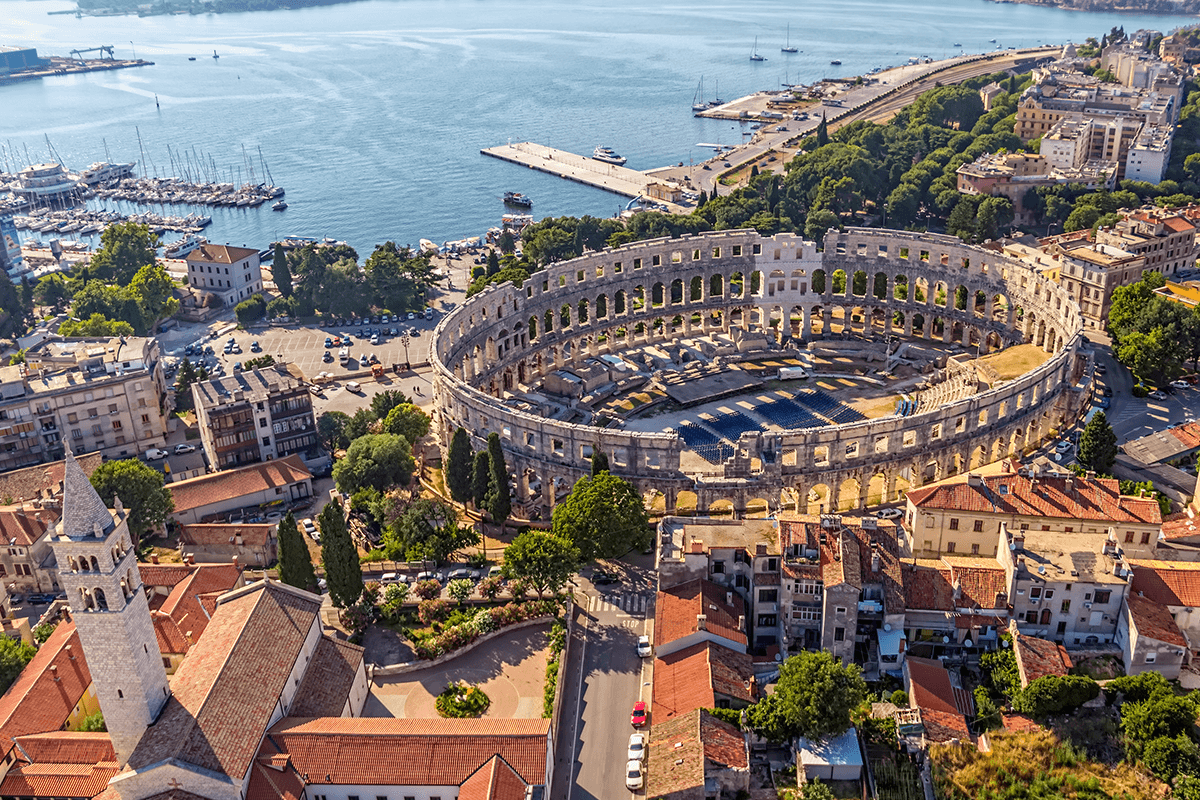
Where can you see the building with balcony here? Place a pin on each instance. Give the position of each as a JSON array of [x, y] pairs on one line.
[[102, 395], [27, 562], [1011, 175], [1164, 237], [1092, 271], [231, 273], [1055, 96], [254, 415]]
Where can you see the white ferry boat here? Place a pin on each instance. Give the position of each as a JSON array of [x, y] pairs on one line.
[[184, 246], [608, 156]]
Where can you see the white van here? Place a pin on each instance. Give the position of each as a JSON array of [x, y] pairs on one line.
[[344, 355]]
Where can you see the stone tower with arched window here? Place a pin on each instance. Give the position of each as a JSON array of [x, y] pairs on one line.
[[97, 566]]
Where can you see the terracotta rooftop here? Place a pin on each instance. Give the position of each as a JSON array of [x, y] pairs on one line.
[[677, 608], [1169, 583], [170, 638], [24, 526], [1096, 499], [681, 748], [848, 556], [328, 680], [495, 780], [928, 585], [61, 764], [273, 777], [41, 480], [1154, 620], [219, 254], [942, 726], [932, 688], [206, 490], [982, 582], [414, 752], [1180, 526], [226, 690], [693, 677], [167, 575], [47, 690], [1037, 658], [198, 535], [185, 603]]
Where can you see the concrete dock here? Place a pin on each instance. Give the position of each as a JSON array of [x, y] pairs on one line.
[[618, 180]]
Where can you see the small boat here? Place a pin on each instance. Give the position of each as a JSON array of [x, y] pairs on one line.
[[184, 246], [754, 56], [993, 41], [517, 199], [280, 206], [698, 103], [787, 47], [191, 58], [215, 54], [836, 63], [608, 156], [957, 44]]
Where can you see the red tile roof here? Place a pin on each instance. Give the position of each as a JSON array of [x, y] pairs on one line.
[[328, 680], [25, 525], [415, 752], [1180, 526], [681, 749], [1154, 620], [41, 698], [273, 777], [1169, 583], [693, 677], [677, 608], [170, 638], [58, 780], [849, 557], [1037, 658], [1019, 723], [226, 690], [166, 575], [1097, 499], [982, 582], [495, 780], [928, 586], [67, 747], [208, 489], [253, 535], [219, 254], [185, 602], [942, 726], [932, 689], [31, 483]]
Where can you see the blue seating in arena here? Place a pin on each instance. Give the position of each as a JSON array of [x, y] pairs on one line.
[[732, 425], [826, 406], [705, 443], [786, 414]]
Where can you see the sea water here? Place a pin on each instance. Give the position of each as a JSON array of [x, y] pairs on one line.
[[372, 114]]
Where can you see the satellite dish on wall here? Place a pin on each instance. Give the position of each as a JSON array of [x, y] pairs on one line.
[[945, 640], [779, 657], [887, 626], [967, 642]]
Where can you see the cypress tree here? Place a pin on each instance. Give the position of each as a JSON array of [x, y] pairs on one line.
[[702, 200], [822, 131], [458, 467], [599, 462], [295, 564], [493, 265], [342, 570], [480, 475], [498, 498], [282, 272]]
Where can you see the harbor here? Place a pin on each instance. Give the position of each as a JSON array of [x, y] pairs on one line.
[[88, 222], [593, 172], [24, 64]]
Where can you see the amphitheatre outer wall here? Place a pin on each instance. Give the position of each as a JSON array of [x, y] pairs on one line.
[[656, 291]]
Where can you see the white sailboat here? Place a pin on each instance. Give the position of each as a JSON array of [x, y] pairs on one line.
[[698, 103], [754, 56], [787, 47]]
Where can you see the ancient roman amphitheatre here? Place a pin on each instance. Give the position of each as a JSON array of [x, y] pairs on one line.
[[924, 357]]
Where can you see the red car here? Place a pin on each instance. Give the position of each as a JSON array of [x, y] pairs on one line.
[[638, 717]]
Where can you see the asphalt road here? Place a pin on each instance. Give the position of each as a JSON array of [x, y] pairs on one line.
[[600, 696]]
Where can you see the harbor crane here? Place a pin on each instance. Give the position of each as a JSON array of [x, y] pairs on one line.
[[104, 50]]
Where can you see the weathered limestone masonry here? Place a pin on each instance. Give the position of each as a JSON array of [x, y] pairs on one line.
[[660, 290]]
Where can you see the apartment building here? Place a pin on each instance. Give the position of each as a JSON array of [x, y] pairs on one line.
[[1164, 237], [1011, 175], [1066, 587], [1092, 271], [254, 415], [230, 273], [1119, 146], [27, 562], [98, 394], [964, 515]]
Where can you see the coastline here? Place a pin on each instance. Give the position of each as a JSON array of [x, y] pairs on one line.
[[1155, 7]]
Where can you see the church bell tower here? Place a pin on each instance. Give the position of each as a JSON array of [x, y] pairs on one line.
[[97, 566]]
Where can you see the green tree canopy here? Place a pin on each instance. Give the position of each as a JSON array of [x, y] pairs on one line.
[[281, 272], [376, 460], [542, 559], [603, 516], [295, 562], [407, 420], [14, 655], [95, 325], [813, 698], [331, 428], [458, 466], [481, 474], [342, 571], [599, 462], [1098, 445], [499, 500], [156, 295], [140, 488], [125, 247]]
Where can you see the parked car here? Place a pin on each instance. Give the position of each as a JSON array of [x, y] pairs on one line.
[[601, 578], [1107, 391], [429, 576], [353, 386], [1104, 402], [1156, 395], [462, 573], [327, 356], [1062, 447], [411, 316], [180, 449], [1181, 384], [889, 513], [496, 572], [637, 747], [643, 648], [153, 454], [1101, 369], [638, 717], [375, 339], [328, 342], [255, 347], [41, 599], [429, 313], [633, 775], [309, 526]]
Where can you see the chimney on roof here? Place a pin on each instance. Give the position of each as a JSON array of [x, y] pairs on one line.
[[189, 558], [1070, 483], [235, 561], [70, 655], [957, 590], [729, 598], [54, 672], [875, 560], [154, 558], [741, 622], [760, 550], [974, 480], [701, 622], [1090, 474]]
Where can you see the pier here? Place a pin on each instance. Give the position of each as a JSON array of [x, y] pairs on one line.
[[618, 180], [69, 66]]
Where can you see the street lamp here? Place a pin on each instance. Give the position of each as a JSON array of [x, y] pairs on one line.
[[134, 49], [404, 341]]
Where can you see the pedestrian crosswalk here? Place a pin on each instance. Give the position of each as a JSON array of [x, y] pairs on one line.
[[626, 603]]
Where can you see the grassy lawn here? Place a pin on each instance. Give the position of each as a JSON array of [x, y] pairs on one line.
[[876, 408], [1014, 362]]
